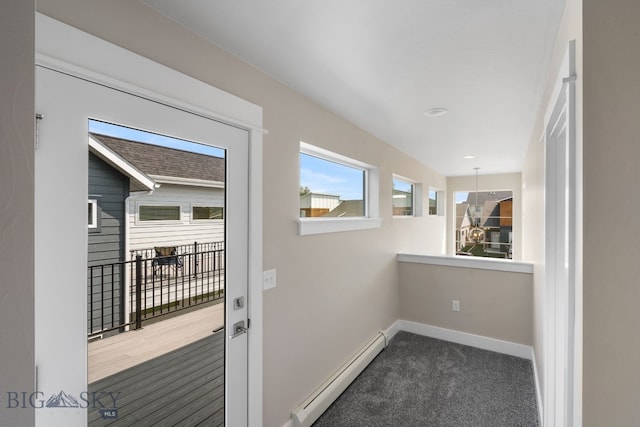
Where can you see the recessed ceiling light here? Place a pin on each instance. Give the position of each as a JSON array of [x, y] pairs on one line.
[[469, 157], [436, 112]]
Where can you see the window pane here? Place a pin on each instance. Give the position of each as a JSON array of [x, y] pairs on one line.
[[433, 202], [330, 189], [490, 211], [159, 213], [92, 213], [402, 198], [90, 220], [208, 212]]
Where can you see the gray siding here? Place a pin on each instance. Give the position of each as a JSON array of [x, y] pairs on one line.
[[106, 245]]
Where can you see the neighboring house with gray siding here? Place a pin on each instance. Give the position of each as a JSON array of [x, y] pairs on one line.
[[109, 180]]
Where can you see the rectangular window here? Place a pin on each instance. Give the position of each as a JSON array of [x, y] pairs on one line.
[[403, 198], [158, 213], [92, 211], [433, 202], [484, 223], [207, 212], [330, 189], [336, 193]]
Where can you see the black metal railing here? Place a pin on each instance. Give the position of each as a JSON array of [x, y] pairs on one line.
[[160, 281]]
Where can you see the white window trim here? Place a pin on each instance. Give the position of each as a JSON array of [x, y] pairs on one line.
[[440, 204], [206, 205], [157, 222], [94, 218], [417, 197], [371, 220]]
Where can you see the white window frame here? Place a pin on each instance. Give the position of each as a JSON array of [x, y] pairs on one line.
[[157, 222], [487, 240], [192, 220], [440, 204], [417, 196], [371, 218], [93, 225]]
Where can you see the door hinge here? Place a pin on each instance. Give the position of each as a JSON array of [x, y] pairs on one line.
[[39, 117]]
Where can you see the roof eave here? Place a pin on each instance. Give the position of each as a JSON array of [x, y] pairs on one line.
[[120, 164], [187, 181]]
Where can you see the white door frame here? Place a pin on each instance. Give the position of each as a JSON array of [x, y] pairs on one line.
[[74, 52], [561, 396]]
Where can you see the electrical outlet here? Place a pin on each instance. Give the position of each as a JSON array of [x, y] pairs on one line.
[[455, 305]]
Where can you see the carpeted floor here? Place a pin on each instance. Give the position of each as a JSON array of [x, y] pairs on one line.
[[421, 381]]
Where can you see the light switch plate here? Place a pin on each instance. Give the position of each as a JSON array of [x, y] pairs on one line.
[[268, 279]]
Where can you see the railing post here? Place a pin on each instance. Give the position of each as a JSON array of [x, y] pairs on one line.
[[138, 291], [195, 260]]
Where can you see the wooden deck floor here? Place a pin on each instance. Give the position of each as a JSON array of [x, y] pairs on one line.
[[170, 373], [114, 354], [184, 387]]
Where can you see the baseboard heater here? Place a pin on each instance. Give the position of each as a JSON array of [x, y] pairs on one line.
[[318, 402]]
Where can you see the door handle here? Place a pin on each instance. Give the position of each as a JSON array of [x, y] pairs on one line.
[[238, 329]]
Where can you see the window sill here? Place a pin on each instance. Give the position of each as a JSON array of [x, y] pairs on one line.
[[469, 262], [311, 226]]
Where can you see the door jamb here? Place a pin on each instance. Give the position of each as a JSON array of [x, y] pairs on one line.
[[565, 87]]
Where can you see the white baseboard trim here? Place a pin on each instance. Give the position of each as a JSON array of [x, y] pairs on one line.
[[478, 341], [391, 331], [536, 380]]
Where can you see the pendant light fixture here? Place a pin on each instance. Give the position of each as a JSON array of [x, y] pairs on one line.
[[477, 234]]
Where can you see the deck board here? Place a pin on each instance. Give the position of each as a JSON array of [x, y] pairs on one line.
[[184, 387], [114, 354]]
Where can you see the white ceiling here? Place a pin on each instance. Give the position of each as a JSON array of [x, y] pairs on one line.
[[380, 64]]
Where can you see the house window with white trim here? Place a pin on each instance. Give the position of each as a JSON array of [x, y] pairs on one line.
[[433, 202], [488, 214], [158, 213], [403, 197], [337, 193], [92, 211], [207, 212]]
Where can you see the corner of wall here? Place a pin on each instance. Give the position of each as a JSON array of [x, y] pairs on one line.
[[17, 90]]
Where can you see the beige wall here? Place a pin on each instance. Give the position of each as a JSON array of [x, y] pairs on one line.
[[334, 290], [611, 269], [494, 304], [533, 174], [510, 181], [16, 206]]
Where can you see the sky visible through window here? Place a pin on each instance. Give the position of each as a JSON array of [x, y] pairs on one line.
[[401, 185], [326, 177], [131, 134], [461, 196]]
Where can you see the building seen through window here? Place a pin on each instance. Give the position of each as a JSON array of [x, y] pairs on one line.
[[490, 211]]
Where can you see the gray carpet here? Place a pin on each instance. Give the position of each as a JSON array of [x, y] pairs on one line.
[[420, 381]]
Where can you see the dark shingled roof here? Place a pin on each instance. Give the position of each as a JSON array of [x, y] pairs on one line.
[[484, 196], [156, 160]]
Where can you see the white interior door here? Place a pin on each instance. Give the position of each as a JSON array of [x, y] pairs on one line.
[[67, 103]]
